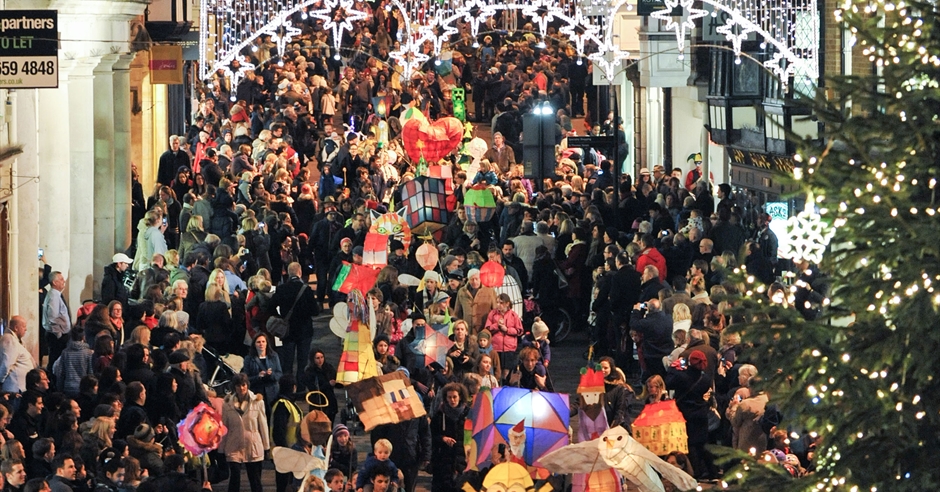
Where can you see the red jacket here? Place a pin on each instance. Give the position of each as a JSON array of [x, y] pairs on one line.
[[652, 256], [504, 341]]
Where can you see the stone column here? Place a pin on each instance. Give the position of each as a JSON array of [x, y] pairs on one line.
[[104, 166], [122, 152], [24, 231], [81, 273], [54, 190]]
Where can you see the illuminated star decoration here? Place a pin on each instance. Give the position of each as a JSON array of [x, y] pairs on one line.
[[807, 235], [432, 31], [728, 29], [281, 33], [244, 66], [409, 58], [484, 11], [552, 10], [609, 55], [590, 31], [781, 67], [680, 27], [347, 13]]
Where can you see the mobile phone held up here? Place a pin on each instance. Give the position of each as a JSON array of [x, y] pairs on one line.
[[164, 222], [41, 253]]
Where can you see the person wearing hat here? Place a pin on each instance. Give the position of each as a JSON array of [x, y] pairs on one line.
[[141, 445], [454, 283], [429, 287], [343, 455], [691, 377], [189, 389], [474, 302], [695, 173], [438, 309], [113, 287]]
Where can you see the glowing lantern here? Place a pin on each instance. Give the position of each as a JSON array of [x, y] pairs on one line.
[[202, 430], [427, 256], [491, 274]]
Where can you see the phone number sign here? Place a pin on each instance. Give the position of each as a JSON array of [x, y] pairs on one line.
[[29, 49]]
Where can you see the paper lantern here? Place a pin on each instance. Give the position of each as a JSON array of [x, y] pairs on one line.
[[433, 141], [491, 274], [447, 174], [427, 256], [387, 399], [479, 204], [425, 201], [202, 429], [392, 224], [375, 250], [661, 428]]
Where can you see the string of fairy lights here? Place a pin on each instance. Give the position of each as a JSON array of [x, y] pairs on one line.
[[228, 27]]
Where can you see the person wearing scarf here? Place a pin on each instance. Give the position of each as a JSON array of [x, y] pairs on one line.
[[447, 438]]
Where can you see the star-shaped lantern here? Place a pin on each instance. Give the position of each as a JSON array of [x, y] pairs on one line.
[[736, 36]]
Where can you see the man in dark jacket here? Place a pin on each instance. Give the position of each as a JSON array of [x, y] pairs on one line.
[[656, 328], [198, 278], [321, 238], [624, 292], [170, 161], [288, 296], [112, 285]]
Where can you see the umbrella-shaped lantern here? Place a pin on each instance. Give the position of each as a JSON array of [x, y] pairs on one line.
[[545, 418], [491, 274], [425, 201], [427, 256], [432, 341], [479, 432], [661, 428]]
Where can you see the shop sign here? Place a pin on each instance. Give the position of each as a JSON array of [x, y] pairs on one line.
[[29, 49], [760, 160]]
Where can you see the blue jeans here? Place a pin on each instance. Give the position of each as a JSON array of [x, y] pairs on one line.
[[289, 350]]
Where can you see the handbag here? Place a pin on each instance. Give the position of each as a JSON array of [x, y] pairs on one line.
[[280, 327]]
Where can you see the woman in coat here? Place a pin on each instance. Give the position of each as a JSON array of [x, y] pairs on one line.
[[214, 320], [247, 439], [263, 368], [446, 434], [320, 375]]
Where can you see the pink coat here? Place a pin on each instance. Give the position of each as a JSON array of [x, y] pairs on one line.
[[504, 341]]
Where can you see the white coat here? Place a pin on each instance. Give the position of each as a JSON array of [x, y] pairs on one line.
[[247, 437]]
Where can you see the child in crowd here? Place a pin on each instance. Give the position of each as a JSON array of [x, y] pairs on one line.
[[485, 346], [335, 480], [538, 338], [343, 456], [506, 327], [378, 460]]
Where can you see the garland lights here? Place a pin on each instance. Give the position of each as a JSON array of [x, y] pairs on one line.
[[227, 27]]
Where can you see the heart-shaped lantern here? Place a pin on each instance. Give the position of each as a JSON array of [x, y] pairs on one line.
[[433, 141]]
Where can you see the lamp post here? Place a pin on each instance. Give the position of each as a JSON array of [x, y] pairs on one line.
[[537, 127]]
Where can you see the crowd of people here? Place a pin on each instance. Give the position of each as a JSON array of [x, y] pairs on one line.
[[273, 187]]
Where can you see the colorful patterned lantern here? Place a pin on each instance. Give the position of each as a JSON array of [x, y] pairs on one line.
[[202, 430], [431, 340], [425, 201], [661, 428], [447, 174], [433, 141], [387, 399], [355, 277], [392, 224], [427, 256], [492, 274], [480, 204], [375, 250]]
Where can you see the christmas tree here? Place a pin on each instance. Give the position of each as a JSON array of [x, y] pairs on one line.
[[864, 376]]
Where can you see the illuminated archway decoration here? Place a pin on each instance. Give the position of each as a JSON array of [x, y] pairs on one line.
[[788, 28]]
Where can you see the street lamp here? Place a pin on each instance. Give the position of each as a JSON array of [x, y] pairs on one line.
[[538, 131]]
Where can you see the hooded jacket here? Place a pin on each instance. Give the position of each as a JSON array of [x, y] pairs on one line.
[[247, 438]]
